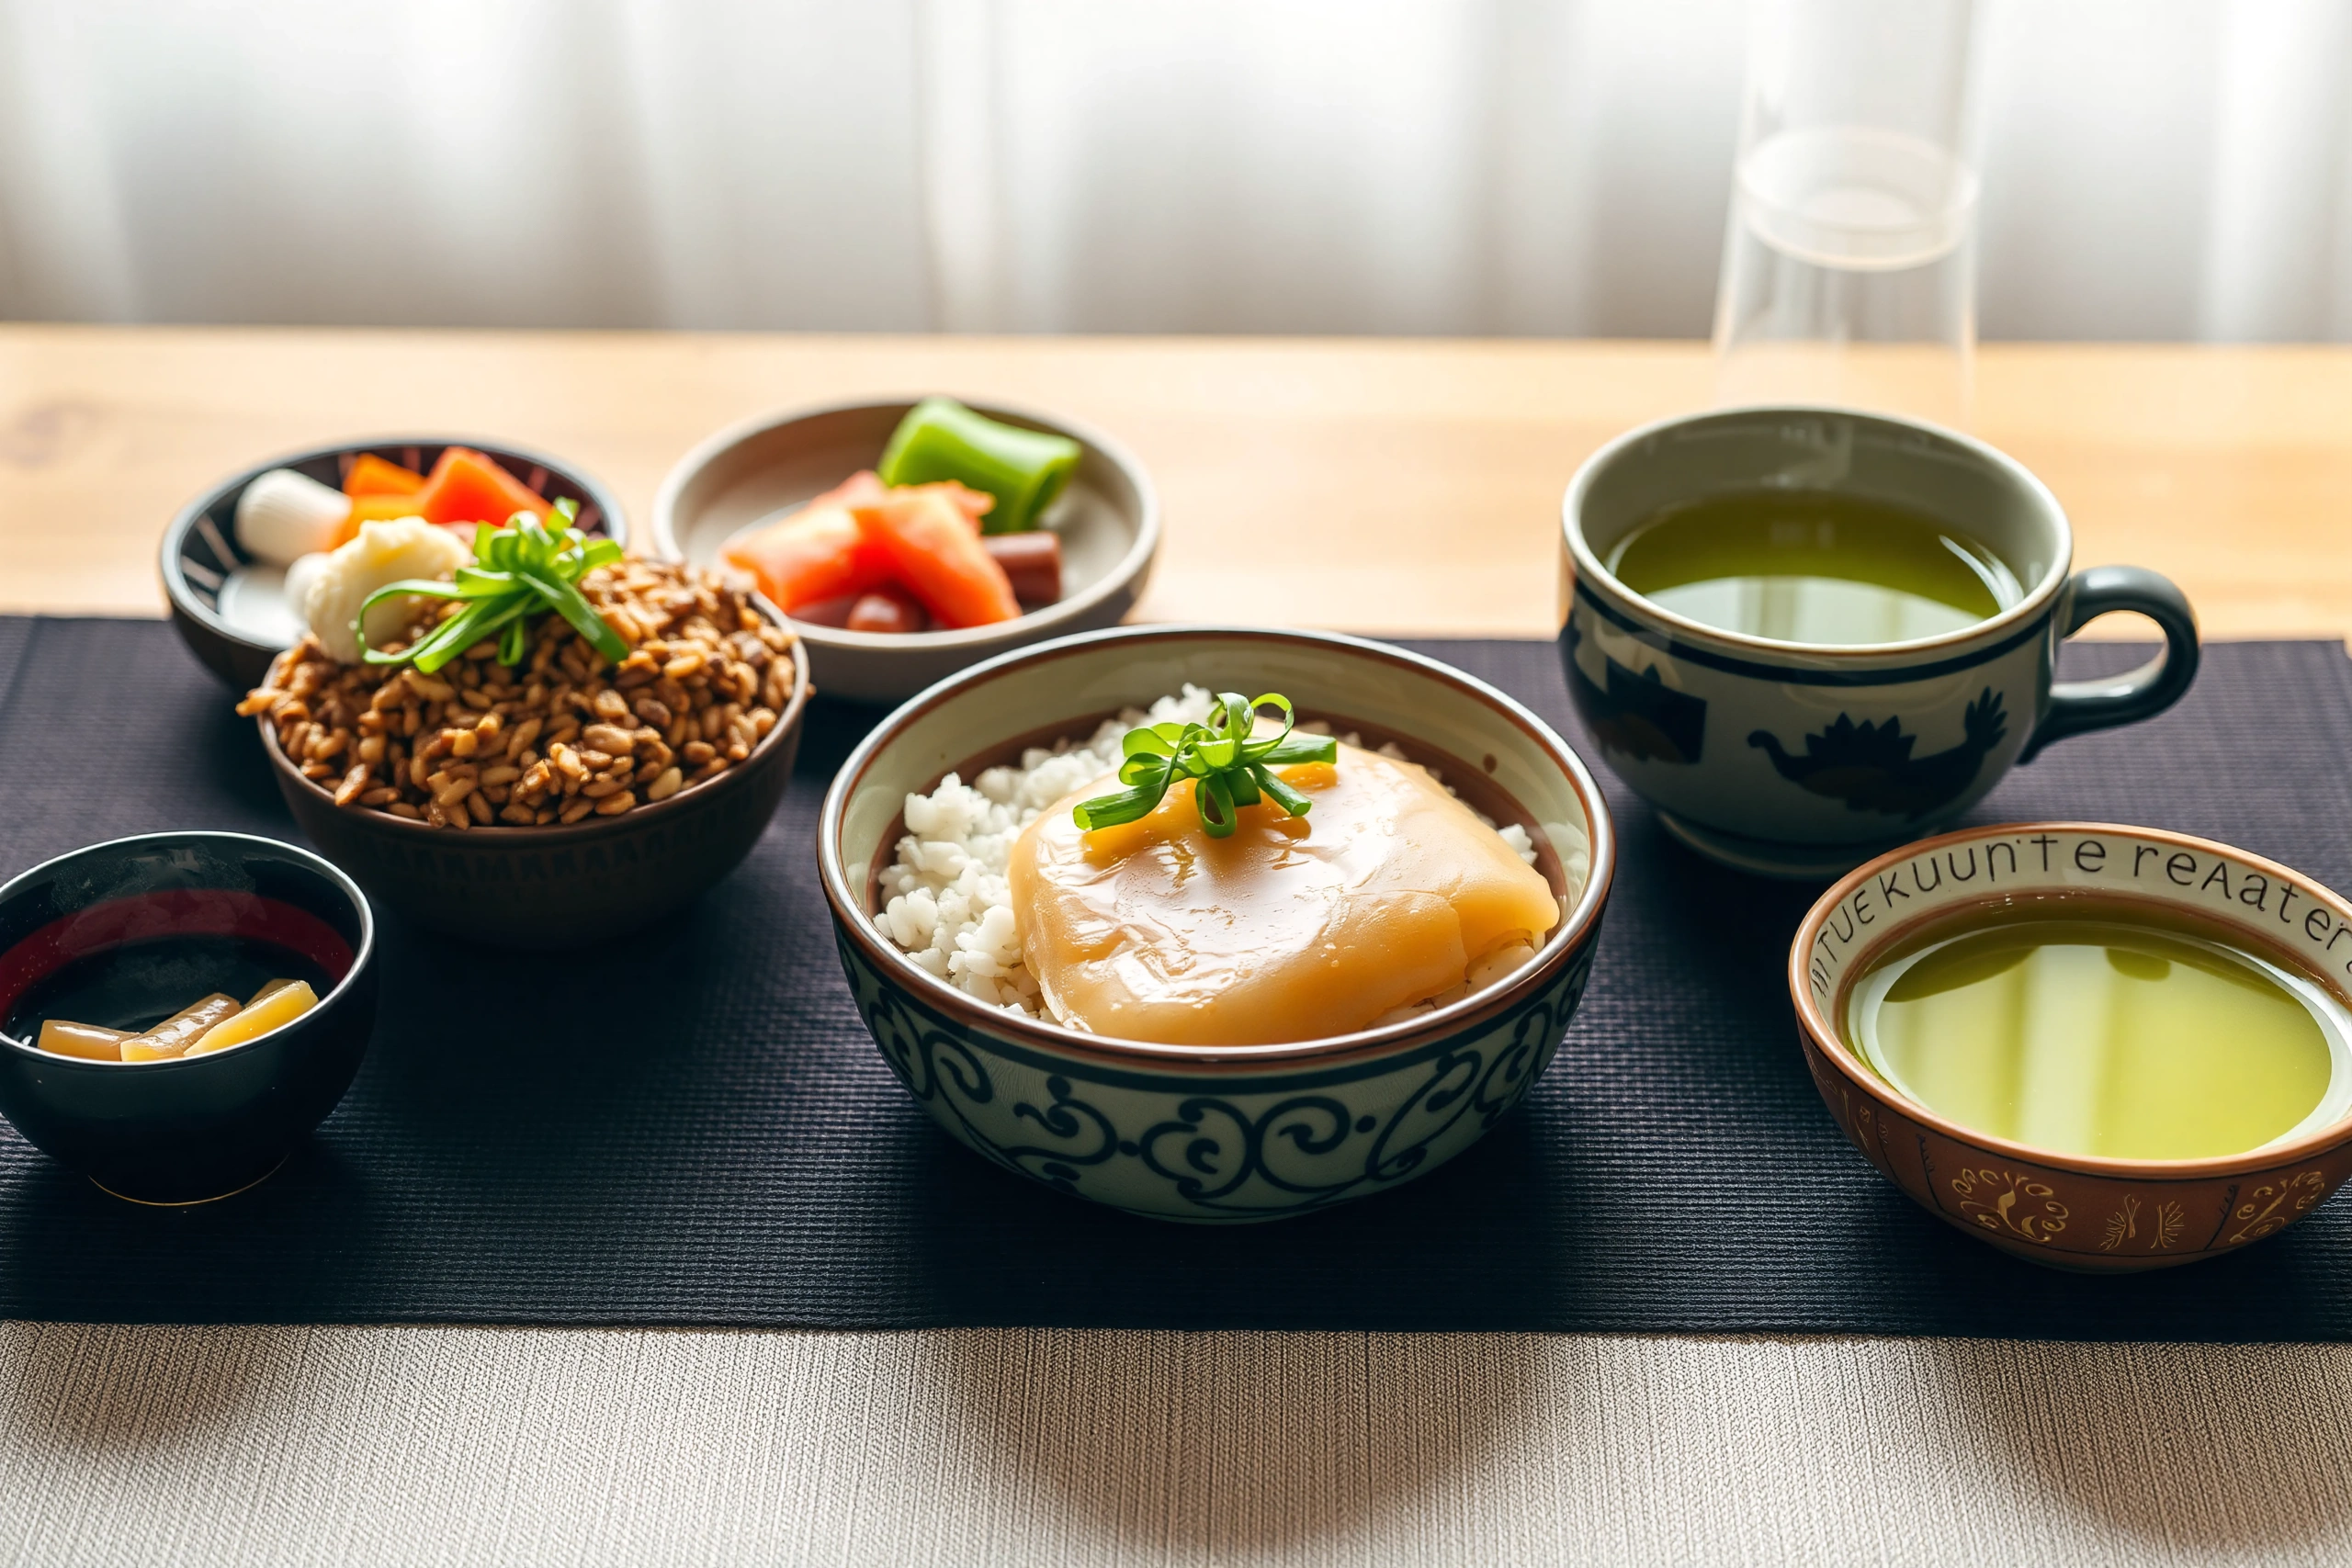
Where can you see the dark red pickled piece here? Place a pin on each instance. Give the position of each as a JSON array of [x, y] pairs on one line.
[[1032, 561], [891, 609]]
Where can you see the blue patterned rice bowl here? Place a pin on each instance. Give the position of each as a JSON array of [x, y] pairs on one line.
[[1217, 1134]]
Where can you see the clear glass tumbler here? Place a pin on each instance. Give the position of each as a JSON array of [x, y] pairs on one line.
[[1849, 258]]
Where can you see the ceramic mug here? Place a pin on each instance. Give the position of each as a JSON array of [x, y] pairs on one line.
[[1803, 759]]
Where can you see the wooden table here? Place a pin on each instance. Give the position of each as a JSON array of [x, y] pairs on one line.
[[1397, 487]]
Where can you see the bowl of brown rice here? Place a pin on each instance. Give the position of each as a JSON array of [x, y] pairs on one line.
[[560, 800]]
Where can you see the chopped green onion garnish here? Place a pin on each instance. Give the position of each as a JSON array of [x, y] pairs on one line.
[[1233, 767], [519, 572]]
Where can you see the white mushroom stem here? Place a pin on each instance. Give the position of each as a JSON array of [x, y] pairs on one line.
[[282, 517]]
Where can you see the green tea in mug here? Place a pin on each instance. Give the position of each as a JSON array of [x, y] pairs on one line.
[[1813, 565], [2083, 1033]]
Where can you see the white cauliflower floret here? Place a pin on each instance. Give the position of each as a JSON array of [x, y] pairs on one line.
[[384, 552]]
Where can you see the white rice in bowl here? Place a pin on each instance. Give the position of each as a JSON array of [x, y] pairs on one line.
[[945, 901]]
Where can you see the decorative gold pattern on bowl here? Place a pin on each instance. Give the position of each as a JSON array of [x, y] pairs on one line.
[[2001, 1200]]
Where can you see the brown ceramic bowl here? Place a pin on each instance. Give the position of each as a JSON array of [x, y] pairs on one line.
[[2070, 1211], [555, 886], [200, 559]]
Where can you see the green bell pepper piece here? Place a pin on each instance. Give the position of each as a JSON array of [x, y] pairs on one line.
[[942, 439]]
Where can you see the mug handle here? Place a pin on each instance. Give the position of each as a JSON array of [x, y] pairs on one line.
[[2076, 707]]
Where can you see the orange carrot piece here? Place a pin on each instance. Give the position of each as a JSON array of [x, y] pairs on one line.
[[374, 509], [371, 475], [818, 553], [935, 552], [859, 490], [809, 556], [973, 503], [466, 487]]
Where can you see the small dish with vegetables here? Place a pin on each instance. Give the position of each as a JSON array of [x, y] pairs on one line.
[[236, 560], [908, 539]]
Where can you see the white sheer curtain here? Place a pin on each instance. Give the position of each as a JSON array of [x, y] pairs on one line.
[[2154, 169]]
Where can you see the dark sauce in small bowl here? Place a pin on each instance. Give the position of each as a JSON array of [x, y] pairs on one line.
[[123, 935], [139, 985], [129, 963]]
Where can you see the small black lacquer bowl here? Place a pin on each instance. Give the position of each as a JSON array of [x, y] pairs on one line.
[[199, 548], [139, 920]]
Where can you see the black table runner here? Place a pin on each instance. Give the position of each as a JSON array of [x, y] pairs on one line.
[[692, 1127]]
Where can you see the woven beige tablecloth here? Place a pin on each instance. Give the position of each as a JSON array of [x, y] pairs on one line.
[[303, 1445]]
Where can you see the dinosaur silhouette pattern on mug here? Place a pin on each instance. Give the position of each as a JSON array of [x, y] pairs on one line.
[[1870, 766], [1640, 716]]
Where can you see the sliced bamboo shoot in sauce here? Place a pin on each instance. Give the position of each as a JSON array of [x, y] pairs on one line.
[[87, 1040], [178, 1033], [280, 1001]]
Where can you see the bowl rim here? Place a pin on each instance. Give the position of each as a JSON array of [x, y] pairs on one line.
[[361, 956], [2038, 598], [178, 594], [1825, 1041], [1574, 934], [556, 833], [1131, 567]]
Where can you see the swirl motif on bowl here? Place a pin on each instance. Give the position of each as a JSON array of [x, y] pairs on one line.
[[1247, 1151]]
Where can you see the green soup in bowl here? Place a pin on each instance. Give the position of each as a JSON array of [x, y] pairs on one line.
[[2098, 1047]]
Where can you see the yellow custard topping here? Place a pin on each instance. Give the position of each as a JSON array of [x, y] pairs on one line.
[[1293, 929]]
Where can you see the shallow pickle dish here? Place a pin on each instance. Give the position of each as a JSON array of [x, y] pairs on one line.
[[1108, 520], [2076, 1212], [1217, 1134], [199, 1127]]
